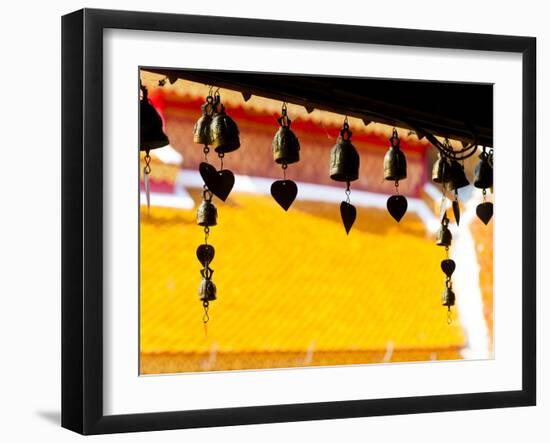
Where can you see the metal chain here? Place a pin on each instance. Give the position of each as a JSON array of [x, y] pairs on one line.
[[205, 317], [348, 192], [147, 168]]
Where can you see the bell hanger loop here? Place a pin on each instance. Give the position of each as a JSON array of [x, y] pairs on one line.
[[394, 139], [284, 120], [218, 107]]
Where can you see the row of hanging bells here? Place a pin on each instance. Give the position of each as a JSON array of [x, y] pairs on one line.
[[214, 129], [449, 173], [451, 176], [344, 167]]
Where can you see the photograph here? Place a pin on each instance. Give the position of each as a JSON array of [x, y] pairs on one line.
[[272, 221], [283, 225]]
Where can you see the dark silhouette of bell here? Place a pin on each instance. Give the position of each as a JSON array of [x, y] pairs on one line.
[[441, 170], [207, 290], [344, 159], [285, 144], [457, 177], [395, 163], [151, 135], [201, 130], [448, 297], [444, 236], [483, 172], [224, 133], [207, 214]]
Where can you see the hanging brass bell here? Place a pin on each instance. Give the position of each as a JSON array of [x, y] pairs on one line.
[[201, 130], [395, 163], [151, 135], [224, 133], [457, 177], [441, 170], [444, 236], [483, 173], [207, 214], [344, 159], [285, 144], [207, 290], [448, 297]]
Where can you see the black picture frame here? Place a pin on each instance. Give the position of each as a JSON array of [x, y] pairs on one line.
[[82, 219]]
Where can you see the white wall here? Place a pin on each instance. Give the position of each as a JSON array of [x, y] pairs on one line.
[[30, 219]]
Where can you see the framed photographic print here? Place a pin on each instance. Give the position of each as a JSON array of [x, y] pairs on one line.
[[269, 221]]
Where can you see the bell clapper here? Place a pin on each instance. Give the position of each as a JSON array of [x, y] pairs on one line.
[[443, 204], [146, 172], [456, 208], [205, 318], [449, 299], [449, 316]]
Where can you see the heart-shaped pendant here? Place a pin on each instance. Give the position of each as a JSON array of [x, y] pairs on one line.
[[284, 192], [219, 182], [397, 206], [205, 254], [485, 212], [456, 211], [348, 213], [208, 174], [448, 266]]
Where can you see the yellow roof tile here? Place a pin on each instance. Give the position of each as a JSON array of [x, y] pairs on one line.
[[290, 281]]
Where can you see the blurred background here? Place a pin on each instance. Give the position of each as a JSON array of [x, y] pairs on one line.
[[293, 289]]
